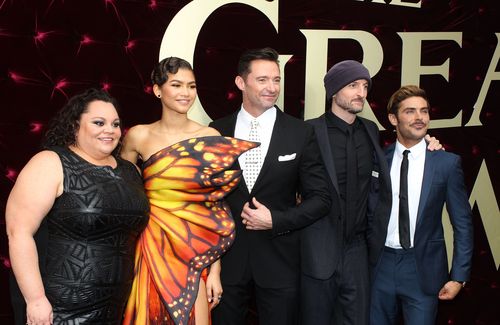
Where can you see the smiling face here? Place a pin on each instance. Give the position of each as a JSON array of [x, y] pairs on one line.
[[351, 97], [261, 87], [178, 92], [99, 131], [411, 120]]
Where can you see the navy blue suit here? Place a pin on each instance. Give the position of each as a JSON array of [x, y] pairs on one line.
[[442, 183]]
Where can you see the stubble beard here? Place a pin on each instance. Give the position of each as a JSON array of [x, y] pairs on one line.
[[348, 107]]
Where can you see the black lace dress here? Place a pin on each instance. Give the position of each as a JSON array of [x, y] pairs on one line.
[[87, 241]]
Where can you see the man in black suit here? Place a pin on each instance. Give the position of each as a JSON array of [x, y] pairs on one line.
[[406, 240], [334, 251], [265, 255]]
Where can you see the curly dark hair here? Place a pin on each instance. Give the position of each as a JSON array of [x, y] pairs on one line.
[[159, 75], [63, 127]]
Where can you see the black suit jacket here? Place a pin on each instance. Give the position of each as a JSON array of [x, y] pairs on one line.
[[442, 183], [272, 256], [322, 243]]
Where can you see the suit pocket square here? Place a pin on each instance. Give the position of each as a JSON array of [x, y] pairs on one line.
[[287, 157]]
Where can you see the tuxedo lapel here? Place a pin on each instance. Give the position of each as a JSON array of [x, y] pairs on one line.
[[325, 149], [429, 169], [373, 137], [379, 153], [227, 129], [273, 150], [389, 154]]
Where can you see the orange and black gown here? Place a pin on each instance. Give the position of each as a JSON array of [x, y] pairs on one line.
[[189, 227]]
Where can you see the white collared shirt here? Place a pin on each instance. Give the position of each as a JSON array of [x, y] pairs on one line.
[[416, 163], [266, 124]]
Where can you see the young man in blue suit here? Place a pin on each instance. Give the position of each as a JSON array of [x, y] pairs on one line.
[[406, 240]]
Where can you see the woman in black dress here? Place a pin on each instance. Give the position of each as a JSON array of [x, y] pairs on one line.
[[73, 220]]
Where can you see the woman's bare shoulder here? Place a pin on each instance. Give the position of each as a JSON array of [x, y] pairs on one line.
[[45, 157], [46, 165], [207, 131], [139, 133], [140, 129]]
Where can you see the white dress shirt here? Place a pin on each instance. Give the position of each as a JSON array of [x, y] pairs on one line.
[[266, 124], [416, 163]]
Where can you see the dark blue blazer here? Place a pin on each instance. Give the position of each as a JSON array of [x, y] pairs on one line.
[[443, 182]]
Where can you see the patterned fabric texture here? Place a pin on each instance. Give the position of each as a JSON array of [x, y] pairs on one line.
[[86, 243], [253, 159], [189, 228]]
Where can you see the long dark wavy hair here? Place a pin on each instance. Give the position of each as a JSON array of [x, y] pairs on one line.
[[65, 124]]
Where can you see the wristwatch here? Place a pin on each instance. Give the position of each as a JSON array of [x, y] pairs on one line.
[[461, 282]]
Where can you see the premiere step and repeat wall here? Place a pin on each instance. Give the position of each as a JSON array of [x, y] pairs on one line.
[[53, 49]]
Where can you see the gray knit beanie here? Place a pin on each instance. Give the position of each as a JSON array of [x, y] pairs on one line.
[[343, 73]]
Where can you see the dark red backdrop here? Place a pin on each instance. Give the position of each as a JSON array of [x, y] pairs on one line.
[[53, 49]]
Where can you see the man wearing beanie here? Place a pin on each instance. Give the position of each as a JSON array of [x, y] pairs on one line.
[[335, 272], [335, 284]]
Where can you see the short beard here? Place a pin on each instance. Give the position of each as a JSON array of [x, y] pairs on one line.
[[353, 110], [346, 106]]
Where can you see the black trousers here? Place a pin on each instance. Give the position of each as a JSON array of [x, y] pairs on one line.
[[345, 297], [275, 306]]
